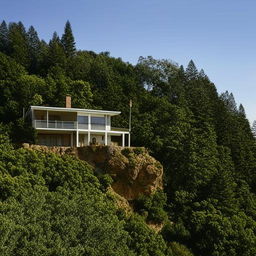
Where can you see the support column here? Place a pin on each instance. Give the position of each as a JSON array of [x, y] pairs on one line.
[[89, 122], [106, 138], [129, 139], [123, 140], [89, 138], [47, 119], [89, 129], [77, 138]]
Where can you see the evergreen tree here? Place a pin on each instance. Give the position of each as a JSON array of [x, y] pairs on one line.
[[254, 128], [191, 71], [241, 110], [229, 100], [56, 54], [34, 48], [19, 48], [202, 74], [3, 37], [68, 41]]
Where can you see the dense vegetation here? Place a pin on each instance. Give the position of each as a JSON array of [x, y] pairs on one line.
[[202, 138]]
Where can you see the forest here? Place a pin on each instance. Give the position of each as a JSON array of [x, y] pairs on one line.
[[53, 205]]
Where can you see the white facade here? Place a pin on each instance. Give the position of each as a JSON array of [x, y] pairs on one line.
[[77, 127]]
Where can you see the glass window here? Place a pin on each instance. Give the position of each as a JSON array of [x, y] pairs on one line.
[[98, 120], [82, 119]]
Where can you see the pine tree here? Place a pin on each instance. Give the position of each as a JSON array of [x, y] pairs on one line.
[[34, 48], [33, 39], [56, 54], [254, 128], [68, 41], [191, 71], [3, 37], [241, 110], [202, 74], [229, 101], [19, 48]]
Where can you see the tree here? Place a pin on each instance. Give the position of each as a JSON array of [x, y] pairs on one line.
[[34, 48], [3, 37], [81, 94], [191, 71], [56, 54], [68, 41], [18, 41], [254, 128], [241, 110]]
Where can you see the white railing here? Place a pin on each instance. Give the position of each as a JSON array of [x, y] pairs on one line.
[[98, 127], [55, 124]]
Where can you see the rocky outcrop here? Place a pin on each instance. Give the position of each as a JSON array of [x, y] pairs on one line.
[[133, 170]]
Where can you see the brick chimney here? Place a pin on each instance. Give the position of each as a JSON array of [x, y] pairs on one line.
[[68, 101]]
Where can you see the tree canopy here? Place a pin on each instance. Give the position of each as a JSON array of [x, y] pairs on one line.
[[201, 137]]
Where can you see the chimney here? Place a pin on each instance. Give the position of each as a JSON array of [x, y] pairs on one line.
[[68, 101]]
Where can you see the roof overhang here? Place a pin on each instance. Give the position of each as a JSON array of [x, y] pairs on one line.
[[76, 110]]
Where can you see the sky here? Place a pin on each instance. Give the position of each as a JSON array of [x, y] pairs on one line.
[[218, 35]]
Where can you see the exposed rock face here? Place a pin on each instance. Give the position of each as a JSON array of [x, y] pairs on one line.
[[133, 170]]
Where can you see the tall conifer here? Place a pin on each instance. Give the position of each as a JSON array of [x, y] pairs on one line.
[[34, 47], [19, 48], [191, 71], [68, 40], [3, 37]]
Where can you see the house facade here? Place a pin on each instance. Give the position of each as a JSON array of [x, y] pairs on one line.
[[74, 127]]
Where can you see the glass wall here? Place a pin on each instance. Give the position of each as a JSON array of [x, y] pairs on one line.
[[98, 123], [82, 122]]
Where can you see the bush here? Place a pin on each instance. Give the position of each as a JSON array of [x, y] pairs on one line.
[[154, 206]]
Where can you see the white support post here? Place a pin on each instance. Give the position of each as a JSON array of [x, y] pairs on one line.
[[106, 139], [89, 122], [89, 138], [77, 132], [123, 140], [47, 119], [129, 140], [77, 138]]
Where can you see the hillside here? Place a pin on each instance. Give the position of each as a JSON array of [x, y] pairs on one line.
[[201, 138]]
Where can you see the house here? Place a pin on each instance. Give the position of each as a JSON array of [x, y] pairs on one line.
[[75, 127]]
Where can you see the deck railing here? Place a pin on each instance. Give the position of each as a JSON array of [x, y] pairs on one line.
[[55, 124]]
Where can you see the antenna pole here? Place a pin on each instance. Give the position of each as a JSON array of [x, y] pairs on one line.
[[130, 123]]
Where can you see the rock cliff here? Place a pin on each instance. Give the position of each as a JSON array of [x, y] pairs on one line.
[[133, 170]]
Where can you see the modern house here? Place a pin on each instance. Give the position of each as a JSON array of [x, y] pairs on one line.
[[75, 127]]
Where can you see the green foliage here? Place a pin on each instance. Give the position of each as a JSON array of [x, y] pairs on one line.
[[68, 41], [153, 206], [105, 181], [202, 139], [53, 206], [143, 240], [180, 250]]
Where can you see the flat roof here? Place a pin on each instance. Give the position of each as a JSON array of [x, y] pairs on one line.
[[87, 111]]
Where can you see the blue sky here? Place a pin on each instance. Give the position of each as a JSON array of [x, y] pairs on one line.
[[218, 35]]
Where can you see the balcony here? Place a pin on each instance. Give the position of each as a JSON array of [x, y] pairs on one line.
[[72, 125], [55, 124]]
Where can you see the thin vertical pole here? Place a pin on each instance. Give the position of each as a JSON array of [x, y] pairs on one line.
[[77, 138], [130, 124], [123, 140], [106, 139], [47, 119]]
